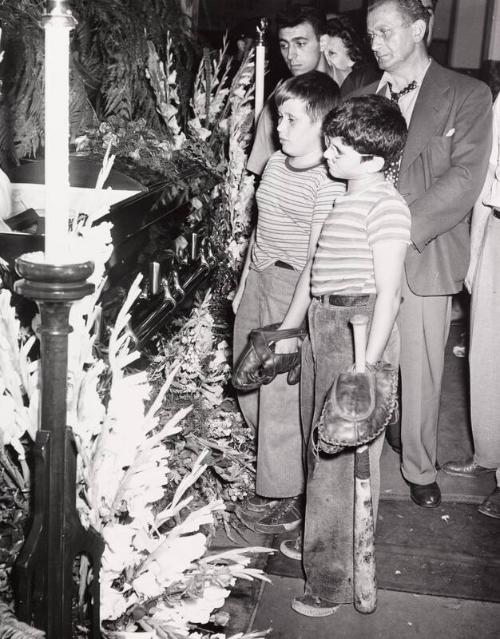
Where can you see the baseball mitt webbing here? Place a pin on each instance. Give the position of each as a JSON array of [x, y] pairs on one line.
[[357, 408]]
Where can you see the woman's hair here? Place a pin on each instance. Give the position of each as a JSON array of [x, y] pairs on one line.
[[354, 43]]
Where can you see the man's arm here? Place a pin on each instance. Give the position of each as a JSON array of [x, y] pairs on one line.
[[452, 196], [264, 144], [481, 212]]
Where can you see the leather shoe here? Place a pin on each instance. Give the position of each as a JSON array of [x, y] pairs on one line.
[[465, 468], [426, 495], [491, 505]]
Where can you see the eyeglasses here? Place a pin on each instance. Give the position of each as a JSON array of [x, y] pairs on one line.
[[385, 34], [330, 146]]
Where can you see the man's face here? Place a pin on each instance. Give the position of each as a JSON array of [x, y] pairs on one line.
[[300, 48], [391, 36], [298, 135]]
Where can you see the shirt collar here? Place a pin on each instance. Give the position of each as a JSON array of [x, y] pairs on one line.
[[386, 76]]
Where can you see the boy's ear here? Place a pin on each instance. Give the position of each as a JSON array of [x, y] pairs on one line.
[[323, 41], [376, 164]]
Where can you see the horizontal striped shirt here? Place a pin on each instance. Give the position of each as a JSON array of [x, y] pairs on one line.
[[343, 262], [290, 201]]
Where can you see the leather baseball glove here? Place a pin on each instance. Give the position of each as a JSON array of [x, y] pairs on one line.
[[357, 408], [259, 364]]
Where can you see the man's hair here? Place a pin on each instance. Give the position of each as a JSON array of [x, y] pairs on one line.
[[319, 92], [298, 14], [347, 32], [411, 9], [370, 124]]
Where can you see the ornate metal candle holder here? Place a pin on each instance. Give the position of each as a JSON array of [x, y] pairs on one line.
[[44, 569]]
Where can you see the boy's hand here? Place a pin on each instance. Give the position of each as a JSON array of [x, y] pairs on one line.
[[237, 299], [286, 346]]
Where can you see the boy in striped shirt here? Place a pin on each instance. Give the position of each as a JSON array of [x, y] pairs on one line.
[[295, 195], [357, 268]]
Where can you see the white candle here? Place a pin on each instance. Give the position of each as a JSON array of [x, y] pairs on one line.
[[260, 57], [57, 24], [260, 62]]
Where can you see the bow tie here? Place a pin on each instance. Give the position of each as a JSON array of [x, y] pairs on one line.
[[395, 95]]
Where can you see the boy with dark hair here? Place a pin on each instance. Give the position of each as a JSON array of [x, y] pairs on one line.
[[299, 30], [357, 268], [294, 197]]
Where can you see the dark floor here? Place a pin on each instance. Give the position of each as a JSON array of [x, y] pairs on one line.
[[401, 615]]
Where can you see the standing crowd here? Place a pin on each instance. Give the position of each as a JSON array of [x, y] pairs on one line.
[[369, 168]]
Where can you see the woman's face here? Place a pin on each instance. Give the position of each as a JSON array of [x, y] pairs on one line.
[[336, 53]]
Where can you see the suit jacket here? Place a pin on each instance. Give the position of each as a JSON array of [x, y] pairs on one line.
[[360, 76], [442, 171]]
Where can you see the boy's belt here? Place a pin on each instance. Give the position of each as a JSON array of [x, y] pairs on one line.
[[345, 300]]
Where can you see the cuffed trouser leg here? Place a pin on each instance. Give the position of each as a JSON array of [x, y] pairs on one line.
[[424, 324], [484, 351]]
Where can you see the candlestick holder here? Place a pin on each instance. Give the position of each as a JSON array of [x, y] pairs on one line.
[[44, 569], [260, 63], [261, 30]]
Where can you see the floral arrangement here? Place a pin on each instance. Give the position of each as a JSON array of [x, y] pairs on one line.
[[154, 489], [156, 573], [204, 368]]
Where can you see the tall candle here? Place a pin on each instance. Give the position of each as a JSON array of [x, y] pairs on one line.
[[260, 62], [57, 22]]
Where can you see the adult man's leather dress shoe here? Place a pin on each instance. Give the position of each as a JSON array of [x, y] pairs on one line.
[[426, 495], [491, 505], [465, 468]]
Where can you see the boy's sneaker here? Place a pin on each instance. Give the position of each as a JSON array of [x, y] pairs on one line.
[[285, 517], [292, 548], [312, 606], [259, 504]]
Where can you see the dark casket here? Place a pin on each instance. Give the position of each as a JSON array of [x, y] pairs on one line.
[[150, 235]]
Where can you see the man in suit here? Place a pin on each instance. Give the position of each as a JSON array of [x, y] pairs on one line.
[[441, 173], [369, 72]]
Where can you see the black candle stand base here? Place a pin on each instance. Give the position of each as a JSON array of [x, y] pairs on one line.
[[44, 570]]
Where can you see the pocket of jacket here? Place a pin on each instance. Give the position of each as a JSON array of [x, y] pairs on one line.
[[439, 155]]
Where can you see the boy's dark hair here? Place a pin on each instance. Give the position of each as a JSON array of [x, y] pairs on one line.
[[317, 90], [411, 9], [370, 124], [347, 32], [298, 14]]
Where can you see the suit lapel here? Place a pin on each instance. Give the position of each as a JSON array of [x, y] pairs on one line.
[[427, 117]]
